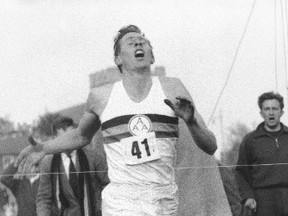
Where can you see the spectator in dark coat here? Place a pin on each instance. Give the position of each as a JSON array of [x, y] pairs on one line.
[[24, 189], [58, 193], [263, 157]]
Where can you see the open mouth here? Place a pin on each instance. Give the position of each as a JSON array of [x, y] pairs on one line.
[[271, 118], [139, 54]]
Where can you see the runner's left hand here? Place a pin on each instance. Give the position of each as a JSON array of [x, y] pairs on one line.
[[183, 108]]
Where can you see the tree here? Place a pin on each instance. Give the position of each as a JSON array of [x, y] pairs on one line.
[[23, 128], [236, 133], [43, 127], [6, 126]]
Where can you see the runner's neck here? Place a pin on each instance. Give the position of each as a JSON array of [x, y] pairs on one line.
[[137, 88]]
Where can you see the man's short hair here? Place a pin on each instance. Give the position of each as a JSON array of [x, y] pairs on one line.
[[270, 96], [123, 31], [62, 122]]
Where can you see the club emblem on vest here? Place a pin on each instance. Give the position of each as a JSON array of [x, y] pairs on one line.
[[139, 124]]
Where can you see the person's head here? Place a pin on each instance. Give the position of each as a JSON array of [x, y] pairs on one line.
[[132, 48], [62, 125], [271, 109]]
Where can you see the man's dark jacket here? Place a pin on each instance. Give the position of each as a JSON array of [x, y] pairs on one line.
[[265, 161], [25, 193], [55, 195]]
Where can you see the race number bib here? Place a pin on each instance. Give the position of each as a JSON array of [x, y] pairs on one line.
[[140, 149]]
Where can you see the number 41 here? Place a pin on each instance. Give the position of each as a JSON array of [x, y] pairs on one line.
[[135, 150]]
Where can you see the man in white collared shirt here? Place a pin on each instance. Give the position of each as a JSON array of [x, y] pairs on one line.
[[58, 193], [66, 160]]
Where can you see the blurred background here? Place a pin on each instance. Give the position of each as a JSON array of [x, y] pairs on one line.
[[226, 52]]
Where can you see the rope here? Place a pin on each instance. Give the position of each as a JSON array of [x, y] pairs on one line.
[[177, 168], [232, 65]]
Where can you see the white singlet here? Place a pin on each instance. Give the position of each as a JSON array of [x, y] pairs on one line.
[[139, 141]]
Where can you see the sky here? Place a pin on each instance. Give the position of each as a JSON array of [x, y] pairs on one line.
[[48, 48]]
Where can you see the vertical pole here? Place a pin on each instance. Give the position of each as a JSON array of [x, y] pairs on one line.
[[275, 43]]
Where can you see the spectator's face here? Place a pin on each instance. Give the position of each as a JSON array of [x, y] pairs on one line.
[[135, 52], [64, 130], [271, 113]]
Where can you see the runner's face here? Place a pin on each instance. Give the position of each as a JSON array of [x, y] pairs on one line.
[[135, 52], [271, 113]]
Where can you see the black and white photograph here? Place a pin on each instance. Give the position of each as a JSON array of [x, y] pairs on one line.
[[143, 108]]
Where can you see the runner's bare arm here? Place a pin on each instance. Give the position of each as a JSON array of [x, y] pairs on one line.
[[203, 137], [181, 102], [79, 137]]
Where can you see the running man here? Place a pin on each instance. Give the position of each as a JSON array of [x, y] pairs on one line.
[[138, 117]]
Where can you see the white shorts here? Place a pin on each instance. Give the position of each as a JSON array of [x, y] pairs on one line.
[[131, 200]]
